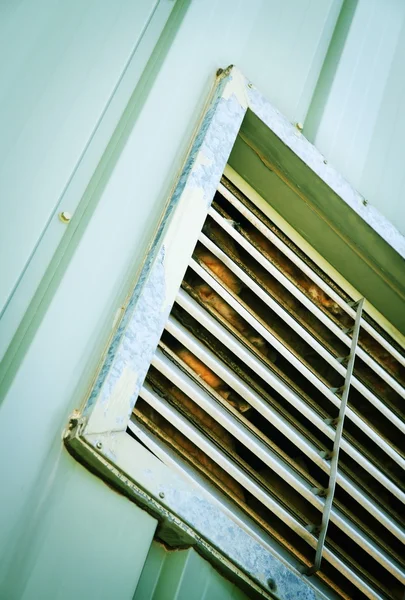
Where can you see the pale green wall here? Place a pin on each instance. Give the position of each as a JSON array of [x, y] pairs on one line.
[[64, 58], [81, 540], [182, 575], [63, 63], [357, 118]]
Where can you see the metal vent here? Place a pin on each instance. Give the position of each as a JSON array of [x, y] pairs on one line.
[[277, 387]]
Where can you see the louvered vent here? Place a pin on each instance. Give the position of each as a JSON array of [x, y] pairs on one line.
[[249, 384]]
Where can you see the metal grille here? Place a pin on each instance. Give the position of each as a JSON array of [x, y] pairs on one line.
[[273, 383]]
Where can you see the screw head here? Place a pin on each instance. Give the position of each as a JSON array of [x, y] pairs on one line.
[[271, 582], [325, 162], [65, 216], [299, 126], [365, 202], [99, 445], [250, 85], [161, 494]]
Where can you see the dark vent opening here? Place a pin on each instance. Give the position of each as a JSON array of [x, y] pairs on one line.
[[250, 373]]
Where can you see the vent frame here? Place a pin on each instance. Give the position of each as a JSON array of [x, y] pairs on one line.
[[98, 429]]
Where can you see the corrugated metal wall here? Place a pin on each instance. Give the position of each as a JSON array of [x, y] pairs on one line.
[[70, 69], [356, 117], [182, 575]]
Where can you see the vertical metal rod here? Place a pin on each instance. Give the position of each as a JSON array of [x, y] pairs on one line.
[[336, 445]]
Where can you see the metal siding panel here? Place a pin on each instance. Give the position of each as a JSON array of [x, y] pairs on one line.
[[194, 577], [284, 48], [62, 345], [174, 577], [355, 117], [218, 588], [56, 232], [76, 541], [32, 417], [151, 573], [182, 575], [382, 178], [63, 63]]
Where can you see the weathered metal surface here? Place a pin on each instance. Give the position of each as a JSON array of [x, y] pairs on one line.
[[132, 350], [135, 340]]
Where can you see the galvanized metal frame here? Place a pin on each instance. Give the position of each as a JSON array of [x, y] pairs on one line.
[[98, 436], [293, 257]]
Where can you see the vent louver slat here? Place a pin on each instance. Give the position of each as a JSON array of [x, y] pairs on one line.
[[294, 324], [300, 365], [274, 413], [253, 485], [247, 384], [302, 265], [312, 414], [254, 441]]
